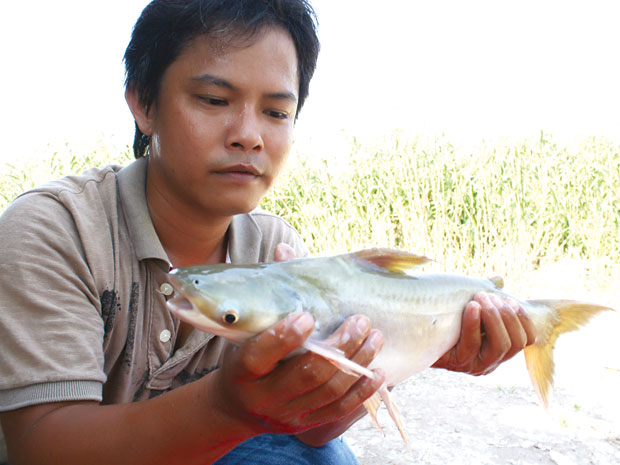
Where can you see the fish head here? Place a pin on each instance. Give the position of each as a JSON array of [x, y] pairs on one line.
[[234, 302]]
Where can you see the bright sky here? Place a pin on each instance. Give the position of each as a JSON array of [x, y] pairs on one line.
[[472, 69]]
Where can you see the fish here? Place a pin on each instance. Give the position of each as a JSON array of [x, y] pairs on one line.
[[419, 313]]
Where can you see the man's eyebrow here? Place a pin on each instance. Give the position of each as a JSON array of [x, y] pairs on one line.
[[210, 79], [283, 96], [216, 81]]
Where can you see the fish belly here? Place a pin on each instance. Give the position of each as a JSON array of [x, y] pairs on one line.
[[420, 317], [416, 343]]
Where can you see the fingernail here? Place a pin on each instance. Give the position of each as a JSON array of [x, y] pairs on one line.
[[512, 303], [475, 312], [302, 323], [376, 340], [523, 312], [363, 324], [496, 300], [379, 374]]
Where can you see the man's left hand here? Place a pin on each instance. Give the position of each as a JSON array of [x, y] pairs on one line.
[[493, 331]]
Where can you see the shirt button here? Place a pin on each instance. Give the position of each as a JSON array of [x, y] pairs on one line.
[[165, 335], [166, 289]]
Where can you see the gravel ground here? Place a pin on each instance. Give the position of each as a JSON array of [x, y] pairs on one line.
[[451, 418]]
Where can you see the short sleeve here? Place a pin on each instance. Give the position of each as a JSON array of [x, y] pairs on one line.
[[50, 322]]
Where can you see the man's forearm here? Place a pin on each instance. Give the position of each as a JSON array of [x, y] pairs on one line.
[[179, 427]]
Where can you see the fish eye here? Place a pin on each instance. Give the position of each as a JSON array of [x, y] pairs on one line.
[[230, 317], [196, 282]]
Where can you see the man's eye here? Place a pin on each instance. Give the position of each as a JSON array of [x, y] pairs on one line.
[[277, 114], [213, 100]]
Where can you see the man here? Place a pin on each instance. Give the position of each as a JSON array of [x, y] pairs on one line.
[[94, 368]]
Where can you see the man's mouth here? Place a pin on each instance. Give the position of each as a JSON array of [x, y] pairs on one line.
[[246, 170]]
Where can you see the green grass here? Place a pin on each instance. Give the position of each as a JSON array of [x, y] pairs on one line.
[[503, 208]]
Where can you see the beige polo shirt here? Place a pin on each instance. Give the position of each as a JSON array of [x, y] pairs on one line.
[[81, 315]]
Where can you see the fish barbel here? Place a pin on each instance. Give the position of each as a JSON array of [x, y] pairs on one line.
[[419, 314]]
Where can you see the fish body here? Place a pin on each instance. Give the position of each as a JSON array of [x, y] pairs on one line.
[[419, 314]]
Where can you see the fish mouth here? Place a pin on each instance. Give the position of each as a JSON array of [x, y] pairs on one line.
[[185, 310], [180, 304]]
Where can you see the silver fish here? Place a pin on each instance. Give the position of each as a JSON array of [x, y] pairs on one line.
[[419, 314]]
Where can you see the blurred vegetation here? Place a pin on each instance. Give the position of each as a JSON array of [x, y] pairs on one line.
[[503, 208]]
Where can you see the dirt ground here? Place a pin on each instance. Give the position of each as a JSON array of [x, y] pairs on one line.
[[453, 418]]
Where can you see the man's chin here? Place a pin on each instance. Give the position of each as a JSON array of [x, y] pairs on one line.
[[233, 209]]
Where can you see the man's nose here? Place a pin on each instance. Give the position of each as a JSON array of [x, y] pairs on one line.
[[245, 133]]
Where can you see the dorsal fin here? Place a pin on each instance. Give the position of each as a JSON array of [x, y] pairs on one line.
[[498, 281], [396, 261]]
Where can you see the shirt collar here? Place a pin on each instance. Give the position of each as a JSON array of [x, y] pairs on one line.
[[132, 189]]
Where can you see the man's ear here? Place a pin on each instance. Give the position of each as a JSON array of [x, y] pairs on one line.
[[140, 114]]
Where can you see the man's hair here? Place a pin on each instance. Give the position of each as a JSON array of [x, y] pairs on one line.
[[166, 27]]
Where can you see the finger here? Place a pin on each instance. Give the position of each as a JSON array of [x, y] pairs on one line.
[[350, 335], [283, 252], [470, 342], [341, 382], [306, 372], [518, 337], [497, 342], [361, 390], [527, 323], [259, 355]]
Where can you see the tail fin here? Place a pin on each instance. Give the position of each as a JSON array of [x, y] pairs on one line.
[[569, 315]]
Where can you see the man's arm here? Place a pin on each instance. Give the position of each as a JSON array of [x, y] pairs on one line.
[[177, 427], [254, 392]]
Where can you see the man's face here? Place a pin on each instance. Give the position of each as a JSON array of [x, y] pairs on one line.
[[221, 128]]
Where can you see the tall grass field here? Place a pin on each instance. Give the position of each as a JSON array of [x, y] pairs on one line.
[[506, 208]]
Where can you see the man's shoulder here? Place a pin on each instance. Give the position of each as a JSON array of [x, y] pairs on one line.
[[256, 234], [99, 178], [63, 196], [73, 208], [267, 221]]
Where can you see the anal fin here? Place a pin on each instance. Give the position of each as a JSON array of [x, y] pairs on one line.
[[394, 412], [372, 405]]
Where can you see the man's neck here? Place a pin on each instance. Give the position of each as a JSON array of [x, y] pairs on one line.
[[188, 236], [195, 247]]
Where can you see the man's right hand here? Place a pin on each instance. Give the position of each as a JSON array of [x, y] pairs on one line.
[[259, 385]]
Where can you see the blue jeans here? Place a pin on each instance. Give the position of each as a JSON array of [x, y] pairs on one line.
[[281, 449]]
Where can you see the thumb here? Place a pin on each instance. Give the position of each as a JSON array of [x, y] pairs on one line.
[[283, 252]]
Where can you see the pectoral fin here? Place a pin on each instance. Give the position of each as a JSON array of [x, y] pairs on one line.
[[338, 358]]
